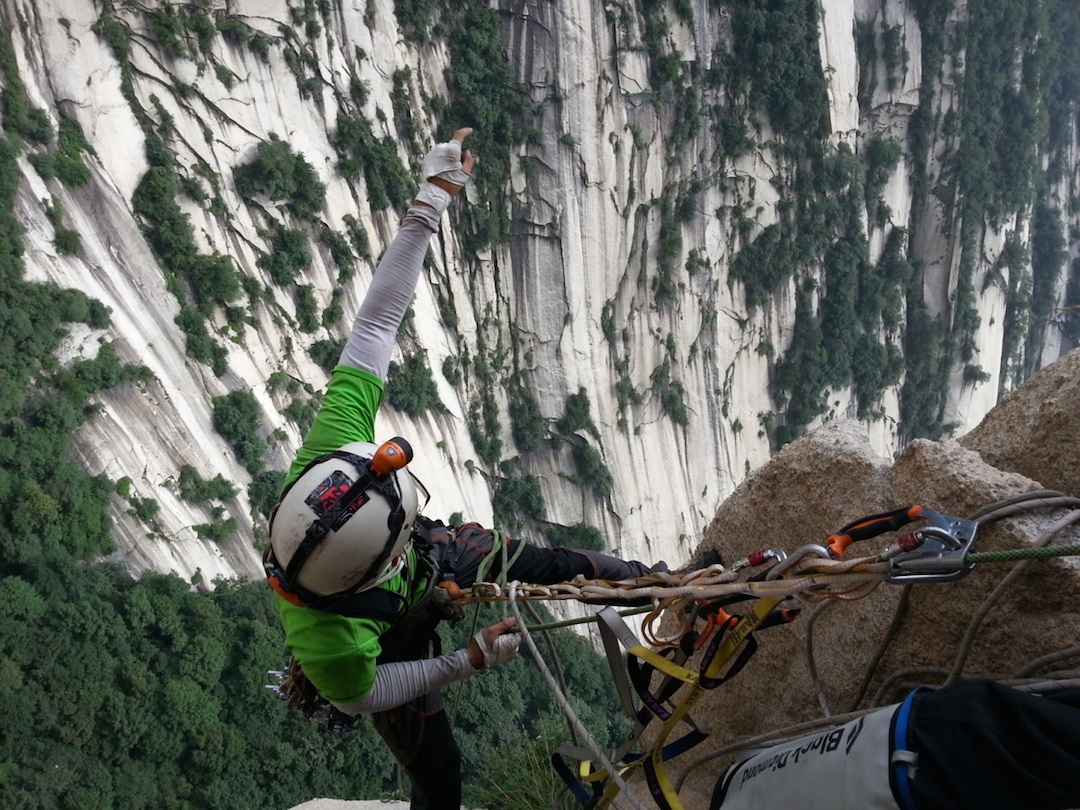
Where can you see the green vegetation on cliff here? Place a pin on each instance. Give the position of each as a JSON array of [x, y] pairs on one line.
[[1016, 66]]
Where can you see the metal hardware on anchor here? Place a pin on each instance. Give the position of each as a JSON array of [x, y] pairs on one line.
[[941, 553]]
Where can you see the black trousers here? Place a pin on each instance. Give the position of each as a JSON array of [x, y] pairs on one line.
[[421, 739], [419, 733]]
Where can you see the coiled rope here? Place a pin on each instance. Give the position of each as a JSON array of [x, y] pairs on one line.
[[812, 578]]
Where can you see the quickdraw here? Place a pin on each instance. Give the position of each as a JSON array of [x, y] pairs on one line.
[[293, 687]]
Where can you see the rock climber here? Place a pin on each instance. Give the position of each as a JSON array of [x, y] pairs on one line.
[[352, 561]]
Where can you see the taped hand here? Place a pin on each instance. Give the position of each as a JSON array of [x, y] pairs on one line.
[[499, 643], [446, 170]]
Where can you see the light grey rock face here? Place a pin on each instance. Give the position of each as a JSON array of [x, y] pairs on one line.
[[567, 303], [1034, 430]]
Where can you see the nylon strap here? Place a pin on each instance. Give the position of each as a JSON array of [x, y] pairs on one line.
[[902, 769], [612, 627], [723, 651], [614, 632]]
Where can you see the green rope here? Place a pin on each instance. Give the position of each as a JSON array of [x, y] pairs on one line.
[[1014, 554], [499, 544], [585, 619]]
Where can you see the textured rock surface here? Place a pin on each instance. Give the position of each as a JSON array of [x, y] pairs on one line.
[[1035, 432]]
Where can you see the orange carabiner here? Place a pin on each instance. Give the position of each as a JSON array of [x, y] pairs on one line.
[[718, 618]]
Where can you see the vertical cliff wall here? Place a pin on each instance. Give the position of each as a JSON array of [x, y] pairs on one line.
[[697, 229]]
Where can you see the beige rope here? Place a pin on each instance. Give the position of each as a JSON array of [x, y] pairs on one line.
[[823, 578]]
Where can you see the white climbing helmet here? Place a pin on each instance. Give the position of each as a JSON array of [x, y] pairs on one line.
[[341, 526]]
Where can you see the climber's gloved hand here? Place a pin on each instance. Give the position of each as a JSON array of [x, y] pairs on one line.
[[446, 171], [495, 645]]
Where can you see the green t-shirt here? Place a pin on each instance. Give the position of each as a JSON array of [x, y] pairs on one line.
[[338, 653]]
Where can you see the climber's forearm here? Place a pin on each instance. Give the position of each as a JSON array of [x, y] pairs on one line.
[[375, 328], [400, 682]]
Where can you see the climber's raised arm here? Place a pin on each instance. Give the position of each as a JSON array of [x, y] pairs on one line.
[[356, 385]]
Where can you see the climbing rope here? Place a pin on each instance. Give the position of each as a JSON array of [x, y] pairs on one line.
[[499, 551], [560, 697], [813, 575], [969, 636], [1015, 554]]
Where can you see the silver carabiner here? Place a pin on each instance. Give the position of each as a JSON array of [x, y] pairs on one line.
[[941, 555]]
